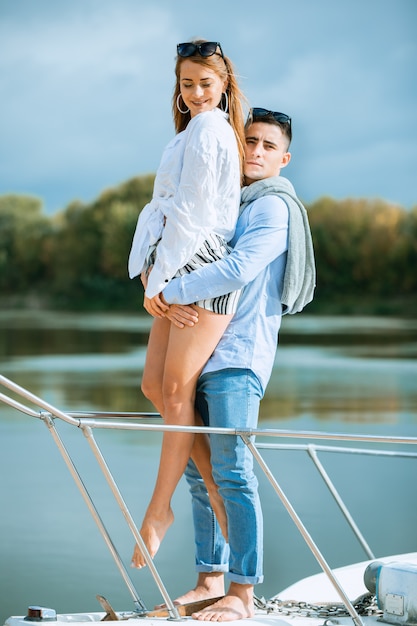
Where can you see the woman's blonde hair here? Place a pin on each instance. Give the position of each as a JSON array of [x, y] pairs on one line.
[[223, 67]]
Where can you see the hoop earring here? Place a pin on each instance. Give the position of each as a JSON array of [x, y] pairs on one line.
[[178, 105], [226, 104]]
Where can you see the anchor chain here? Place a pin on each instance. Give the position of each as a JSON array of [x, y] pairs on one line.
[[364, 605]]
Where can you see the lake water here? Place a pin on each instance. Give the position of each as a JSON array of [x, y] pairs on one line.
[[331, 374]]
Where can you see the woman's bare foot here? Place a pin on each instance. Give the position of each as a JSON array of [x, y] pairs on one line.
[[236, 604], [209, 585], [152, 532]]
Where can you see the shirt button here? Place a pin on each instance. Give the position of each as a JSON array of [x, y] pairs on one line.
[[166, 280]]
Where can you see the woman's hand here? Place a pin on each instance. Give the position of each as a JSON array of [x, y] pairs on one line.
[[155, 306], [179, 314]]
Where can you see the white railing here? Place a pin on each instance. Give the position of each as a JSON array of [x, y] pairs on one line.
[[88, 421]]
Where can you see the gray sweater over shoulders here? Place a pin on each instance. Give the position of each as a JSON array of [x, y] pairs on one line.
[[300, 272]]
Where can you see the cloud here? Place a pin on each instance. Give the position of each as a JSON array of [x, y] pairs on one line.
[[86, 89], [75, 86]]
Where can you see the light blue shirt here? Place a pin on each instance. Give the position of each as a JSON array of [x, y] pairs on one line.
[[257, 263]]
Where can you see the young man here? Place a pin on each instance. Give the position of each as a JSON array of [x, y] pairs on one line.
[[273, 259]]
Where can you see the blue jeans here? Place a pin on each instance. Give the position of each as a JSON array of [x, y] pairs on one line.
[[229, 398]]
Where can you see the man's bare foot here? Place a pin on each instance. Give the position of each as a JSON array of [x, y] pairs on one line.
[[209, 585], [152, 532], [236, 604]]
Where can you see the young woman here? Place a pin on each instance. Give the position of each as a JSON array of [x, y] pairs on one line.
[[190, 218]]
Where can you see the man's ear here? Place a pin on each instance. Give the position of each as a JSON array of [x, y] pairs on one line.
[[286, 159]]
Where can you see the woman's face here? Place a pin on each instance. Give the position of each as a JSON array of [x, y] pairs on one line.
[[201, 88]]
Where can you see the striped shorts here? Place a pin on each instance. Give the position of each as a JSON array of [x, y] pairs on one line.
[[213, 249]]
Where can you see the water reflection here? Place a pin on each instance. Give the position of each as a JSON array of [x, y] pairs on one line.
[[360, 370]]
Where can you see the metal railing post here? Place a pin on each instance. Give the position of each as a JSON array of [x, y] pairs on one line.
[[126, 513], [314, 457], [304, 533], [140, 607]]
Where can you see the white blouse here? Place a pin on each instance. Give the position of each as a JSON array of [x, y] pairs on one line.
[[196, 192]]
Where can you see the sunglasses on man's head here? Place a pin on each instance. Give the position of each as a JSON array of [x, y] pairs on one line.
[[281, 118], [206, 49]]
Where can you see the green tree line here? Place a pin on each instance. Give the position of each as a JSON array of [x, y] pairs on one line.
[[366, 253]]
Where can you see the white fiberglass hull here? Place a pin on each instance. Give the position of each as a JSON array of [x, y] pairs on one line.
[[313, 590]]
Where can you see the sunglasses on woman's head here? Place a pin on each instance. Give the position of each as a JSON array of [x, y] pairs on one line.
[[206, 49], [281, 118]]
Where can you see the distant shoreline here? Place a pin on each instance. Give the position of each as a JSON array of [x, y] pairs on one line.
[[403, 307]]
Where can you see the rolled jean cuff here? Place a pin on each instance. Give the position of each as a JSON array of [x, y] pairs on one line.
[[208, 569], [244, 580]]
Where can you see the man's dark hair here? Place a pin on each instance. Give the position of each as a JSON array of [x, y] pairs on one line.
[[269, 117]]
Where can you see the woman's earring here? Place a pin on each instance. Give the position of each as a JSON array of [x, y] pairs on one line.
[[226, 104], [178, 105]]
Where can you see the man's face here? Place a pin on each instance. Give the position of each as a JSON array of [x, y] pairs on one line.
[[265, 152]]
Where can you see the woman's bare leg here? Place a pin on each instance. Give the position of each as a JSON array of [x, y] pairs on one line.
[[153, 372], [188, 350], [152, 378], [152, 389], [200, 454]]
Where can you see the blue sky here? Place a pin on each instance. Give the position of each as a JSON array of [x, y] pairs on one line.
[[86, 85]]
